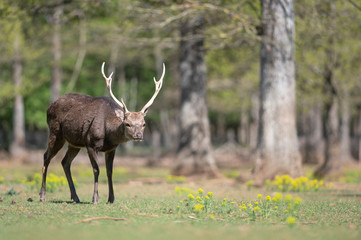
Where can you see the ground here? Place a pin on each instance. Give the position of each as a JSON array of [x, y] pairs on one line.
[[150, 205]]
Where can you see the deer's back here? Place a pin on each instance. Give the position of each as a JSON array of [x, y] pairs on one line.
[[83, 120]]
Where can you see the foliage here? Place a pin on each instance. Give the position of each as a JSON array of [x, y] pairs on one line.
[[286, 208], [175, 179], [12, 192], [53, 182], [184, 191], [350, 176], [285, 183], [249, 184]]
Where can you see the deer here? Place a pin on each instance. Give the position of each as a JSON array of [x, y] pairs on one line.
[[98, 124]]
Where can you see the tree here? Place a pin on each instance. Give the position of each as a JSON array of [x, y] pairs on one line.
[[18, 143], [56, 51], [329, 52], [194, 150], [277, 147]]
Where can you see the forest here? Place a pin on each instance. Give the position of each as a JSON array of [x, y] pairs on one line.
[[276, 83]]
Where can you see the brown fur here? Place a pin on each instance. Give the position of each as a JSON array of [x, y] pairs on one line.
[[97, 124]]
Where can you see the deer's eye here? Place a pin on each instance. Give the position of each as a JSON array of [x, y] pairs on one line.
[[127, 125], [144, 125]]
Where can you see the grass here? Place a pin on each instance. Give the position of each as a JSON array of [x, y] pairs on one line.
[[149, 209]]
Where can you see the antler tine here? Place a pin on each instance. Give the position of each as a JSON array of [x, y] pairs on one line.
[[158, 86], [125, 107], [108, 81]]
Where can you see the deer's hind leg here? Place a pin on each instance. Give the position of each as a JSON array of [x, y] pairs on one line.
[[55, 143], [66, 162]]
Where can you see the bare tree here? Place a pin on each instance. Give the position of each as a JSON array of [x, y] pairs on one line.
[[313, 142], [194, 149], [345, 139], [331, 123], [18, 143], [56, 51], [277, 147]]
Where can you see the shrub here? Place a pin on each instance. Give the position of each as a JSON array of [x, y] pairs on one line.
[[175, 179], [285, 183], [53, 182], [282, 207]]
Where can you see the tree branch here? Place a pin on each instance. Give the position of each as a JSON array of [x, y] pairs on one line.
[[101, 218], [355, 5]]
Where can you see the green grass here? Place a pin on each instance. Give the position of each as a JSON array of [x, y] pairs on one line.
[[150, 210]]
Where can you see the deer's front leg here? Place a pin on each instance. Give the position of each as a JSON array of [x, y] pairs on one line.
[[109, 158], [93, 160]]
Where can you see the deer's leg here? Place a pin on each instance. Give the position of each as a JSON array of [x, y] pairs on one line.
[[109, 158], [66, 162], [93, 160], [55, 143]]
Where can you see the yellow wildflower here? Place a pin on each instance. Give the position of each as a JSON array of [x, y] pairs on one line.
[[291, 220], [190, 196], [200, 190], [198, 207], [288, 197], [259, 196], [268, 198], [277, 197]]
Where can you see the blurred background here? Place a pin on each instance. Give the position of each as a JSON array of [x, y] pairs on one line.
[[49, 48]]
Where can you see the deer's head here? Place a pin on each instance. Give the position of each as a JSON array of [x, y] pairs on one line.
[[134, 122]]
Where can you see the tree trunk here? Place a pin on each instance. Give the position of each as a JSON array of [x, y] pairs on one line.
[[221, 128], [331, 164], [154, 159], [17, 146], [358, 134], [254, 123], [169, 129], [345, 140], [194, 149], [277, 146], [81, 55], [313, 141], [56, 51], [244, 129]]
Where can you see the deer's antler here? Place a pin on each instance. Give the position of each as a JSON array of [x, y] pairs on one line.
[[108, 81], [158, 86]]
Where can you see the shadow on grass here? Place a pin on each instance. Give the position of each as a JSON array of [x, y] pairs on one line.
[[69, 202], [356, 195]]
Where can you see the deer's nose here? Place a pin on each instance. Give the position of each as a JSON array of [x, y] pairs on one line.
[[139, 135]]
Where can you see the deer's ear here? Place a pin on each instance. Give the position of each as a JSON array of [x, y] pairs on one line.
[[119, 113]]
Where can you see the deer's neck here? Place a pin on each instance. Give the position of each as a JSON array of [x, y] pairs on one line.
[[116, 135]]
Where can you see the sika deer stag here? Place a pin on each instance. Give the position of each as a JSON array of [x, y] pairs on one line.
[[94, 123]]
